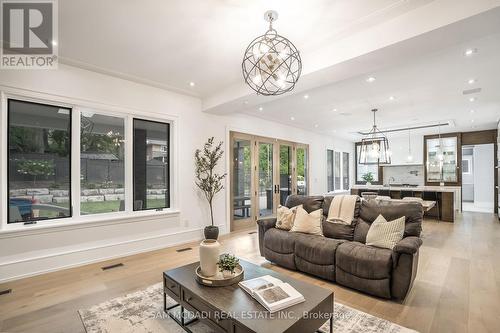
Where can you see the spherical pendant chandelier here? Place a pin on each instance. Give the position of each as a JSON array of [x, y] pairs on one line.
[[271, 64]]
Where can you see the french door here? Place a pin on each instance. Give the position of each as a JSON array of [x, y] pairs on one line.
[[264, 171]]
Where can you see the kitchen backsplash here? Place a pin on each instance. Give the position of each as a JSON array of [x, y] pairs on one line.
[[404, 174]]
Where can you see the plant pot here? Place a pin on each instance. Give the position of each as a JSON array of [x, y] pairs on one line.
[[209, 255], [211, 232], [368, 184]]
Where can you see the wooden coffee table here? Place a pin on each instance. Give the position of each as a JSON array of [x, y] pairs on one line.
[[231, 309]]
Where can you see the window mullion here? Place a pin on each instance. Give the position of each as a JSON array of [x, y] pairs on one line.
[[4, 160], [75, 162], [129, 177]]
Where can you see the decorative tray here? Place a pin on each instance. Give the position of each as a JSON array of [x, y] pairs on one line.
[[218, 280]]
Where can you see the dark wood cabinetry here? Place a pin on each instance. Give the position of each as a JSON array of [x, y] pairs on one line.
[[444, 202]]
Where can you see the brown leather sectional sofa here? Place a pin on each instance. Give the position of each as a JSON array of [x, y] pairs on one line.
[[341, 255]]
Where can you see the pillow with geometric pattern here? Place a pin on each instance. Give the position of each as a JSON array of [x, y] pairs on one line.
[[385, 234]]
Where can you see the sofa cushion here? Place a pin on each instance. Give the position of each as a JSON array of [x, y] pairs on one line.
[[390, 210], [364, 261], [385, 234], [316, 249], [310, 203], [280, 241], [338, 230], [308, 223], [285, 217], [328, 201]]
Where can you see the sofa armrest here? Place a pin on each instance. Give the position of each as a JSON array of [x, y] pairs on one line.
[[267, 223], [408, 245], [264, 225]]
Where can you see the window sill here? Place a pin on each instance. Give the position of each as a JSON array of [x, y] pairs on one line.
[[19, 229]]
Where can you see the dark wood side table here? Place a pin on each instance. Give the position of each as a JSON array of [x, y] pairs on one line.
[[231, 309]]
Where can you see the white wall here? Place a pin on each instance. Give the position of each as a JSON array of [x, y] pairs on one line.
[[37, 250], [484, 176]]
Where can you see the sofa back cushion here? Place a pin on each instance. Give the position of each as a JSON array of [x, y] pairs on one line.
[[338, 230], [390, 210], [309, 203]]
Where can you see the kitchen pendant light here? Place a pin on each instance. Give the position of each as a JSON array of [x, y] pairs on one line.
[[410, 156], [271, 64], [375, 147]]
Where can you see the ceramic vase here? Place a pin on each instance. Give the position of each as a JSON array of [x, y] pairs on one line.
[[209, 255]]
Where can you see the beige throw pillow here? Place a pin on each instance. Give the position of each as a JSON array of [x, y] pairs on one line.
[[308, 223], [385, 234], [285, 217]]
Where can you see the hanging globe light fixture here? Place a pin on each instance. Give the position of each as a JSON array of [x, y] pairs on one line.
[[271, 64]]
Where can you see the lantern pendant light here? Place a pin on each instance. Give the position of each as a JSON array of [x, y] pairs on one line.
[[375, 147]]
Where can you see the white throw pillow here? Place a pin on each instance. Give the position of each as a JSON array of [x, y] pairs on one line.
[[285, 217], [308, 223], [385, 234]]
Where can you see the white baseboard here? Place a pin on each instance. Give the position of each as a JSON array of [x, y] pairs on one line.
[[32, 266]]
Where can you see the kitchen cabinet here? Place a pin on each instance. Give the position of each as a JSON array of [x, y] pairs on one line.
[[399, 148], [442, 159]]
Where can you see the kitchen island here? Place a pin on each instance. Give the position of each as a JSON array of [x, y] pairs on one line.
[[448, 197]]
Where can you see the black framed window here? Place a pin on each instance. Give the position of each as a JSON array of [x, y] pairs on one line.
[[39, 161], [151, 165], [102, 163], [345, 171], [329, 169], [337, 170]]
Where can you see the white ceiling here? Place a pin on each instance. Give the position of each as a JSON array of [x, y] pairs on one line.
[[426, 89], [171, 43]]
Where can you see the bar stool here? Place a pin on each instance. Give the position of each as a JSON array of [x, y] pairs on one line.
[[384, 193], [369, 195], [406, 193], [433, 196]]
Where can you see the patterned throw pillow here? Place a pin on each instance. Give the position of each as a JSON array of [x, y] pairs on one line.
[[285, 217], [385, 234], [308, 223]]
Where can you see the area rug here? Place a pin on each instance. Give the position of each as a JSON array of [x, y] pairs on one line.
[[142, 312]]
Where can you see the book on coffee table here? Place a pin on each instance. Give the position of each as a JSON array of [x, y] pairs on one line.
[[272, 293]]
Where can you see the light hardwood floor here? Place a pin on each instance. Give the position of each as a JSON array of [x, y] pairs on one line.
[[457, 288]]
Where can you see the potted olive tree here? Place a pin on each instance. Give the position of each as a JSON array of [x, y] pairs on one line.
[[209, 181]]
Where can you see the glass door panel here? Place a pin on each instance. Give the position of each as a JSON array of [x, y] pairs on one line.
[[242, 179], [302, 170], [285, 181], [442, 160], [265, 181]]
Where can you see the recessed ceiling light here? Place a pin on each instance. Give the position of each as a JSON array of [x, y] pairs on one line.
[[391, 98], [472, 111], [261, 108], [316, 125], [306, 96], [470, 52], [471, 81], [191, 84], [334, 110], [245, 102], [370, 79], [472, 99], [334, 131], [292, 118], [54, 42], [472, 120]]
